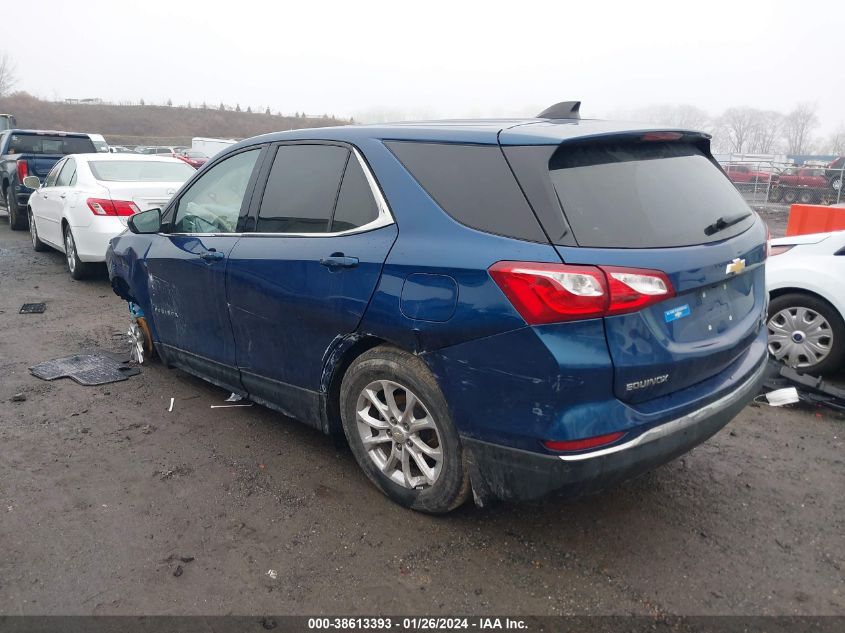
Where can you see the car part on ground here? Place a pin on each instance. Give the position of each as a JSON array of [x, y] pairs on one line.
[[33, 308], [812, 390], [85, 369]]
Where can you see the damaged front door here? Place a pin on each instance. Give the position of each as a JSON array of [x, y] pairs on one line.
[[187, 267]]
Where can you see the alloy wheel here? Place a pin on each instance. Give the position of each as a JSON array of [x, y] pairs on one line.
[[799, 336], [33, 233], [399, 434], [70, 251]]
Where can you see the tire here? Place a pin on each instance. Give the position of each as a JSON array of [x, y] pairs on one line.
[[37, 245], [775, 193], [806, 196], [76, 267], [793, 313], [790, 196], [17, 219], [444, 485]]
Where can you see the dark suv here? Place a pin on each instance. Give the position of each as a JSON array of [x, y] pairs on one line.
[[513, 308]]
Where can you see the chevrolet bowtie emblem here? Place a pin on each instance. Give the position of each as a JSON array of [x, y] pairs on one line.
[[735, 267]]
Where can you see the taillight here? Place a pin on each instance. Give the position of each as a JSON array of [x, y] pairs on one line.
[[583, 444], [633, 289], [552, 293], [104, 206], [23, 170], [779, 250]]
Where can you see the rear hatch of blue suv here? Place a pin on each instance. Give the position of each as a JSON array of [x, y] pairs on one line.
[[642, 341]]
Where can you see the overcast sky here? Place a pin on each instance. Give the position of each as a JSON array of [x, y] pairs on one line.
[[437, 59]]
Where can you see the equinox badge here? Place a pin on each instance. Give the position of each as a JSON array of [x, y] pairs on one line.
[[647, 382], [735, 267]]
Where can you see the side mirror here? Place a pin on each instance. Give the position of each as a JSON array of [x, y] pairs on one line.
[[146, 222], [32, 182]]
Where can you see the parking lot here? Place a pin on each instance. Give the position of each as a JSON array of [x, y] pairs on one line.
[[111, 504]]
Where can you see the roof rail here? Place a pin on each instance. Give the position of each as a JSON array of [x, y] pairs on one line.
[[562, 110]]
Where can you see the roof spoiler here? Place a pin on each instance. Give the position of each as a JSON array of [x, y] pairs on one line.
[[562, 110]]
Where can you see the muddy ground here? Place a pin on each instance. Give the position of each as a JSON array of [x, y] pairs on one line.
[[102, 490]]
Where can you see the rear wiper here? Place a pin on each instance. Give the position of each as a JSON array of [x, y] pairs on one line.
[[724, 222]]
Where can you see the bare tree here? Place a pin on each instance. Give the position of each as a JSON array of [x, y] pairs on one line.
[[765, 131], [836, 142], [737, 125], [798, 125], [8, 77]]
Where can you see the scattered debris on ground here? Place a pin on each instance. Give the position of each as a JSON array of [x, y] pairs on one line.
[[33, 308], [86, 369]]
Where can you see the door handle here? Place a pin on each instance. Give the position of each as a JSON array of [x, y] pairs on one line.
[[212, 256], [339, 260]]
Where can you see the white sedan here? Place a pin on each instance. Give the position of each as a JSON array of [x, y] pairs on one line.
[[805, 277], [86, 199]]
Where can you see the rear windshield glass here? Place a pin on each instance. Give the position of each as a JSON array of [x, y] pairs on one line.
[[646, 195], [140, 170], [49, 144]]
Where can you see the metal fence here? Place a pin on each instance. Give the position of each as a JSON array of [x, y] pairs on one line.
[[777, 185]]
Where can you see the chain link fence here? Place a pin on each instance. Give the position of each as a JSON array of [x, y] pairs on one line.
[[775, 185]]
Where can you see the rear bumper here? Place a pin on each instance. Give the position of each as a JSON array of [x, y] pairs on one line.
[[92, 241], [507, 473]]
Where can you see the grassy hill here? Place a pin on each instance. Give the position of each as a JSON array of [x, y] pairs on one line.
[[149, 124]]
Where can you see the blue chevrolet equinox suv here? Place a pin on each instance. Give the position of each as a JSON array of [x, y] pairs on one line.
[[508, 308]]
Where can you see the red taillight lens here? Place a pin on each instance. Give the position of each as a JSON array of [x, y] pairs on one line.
[[104, 206], [549, 293], [632, 289], [552, 293], [583, 444], [23, 170]]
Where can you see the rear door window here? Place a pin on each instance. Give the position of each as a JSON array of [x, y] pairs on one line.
[[302, 189], [473, 184], [67, 177], [645, 195], [355, 203]]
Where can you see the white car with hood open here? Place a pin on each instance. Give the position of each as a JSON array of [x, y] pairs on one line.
[[86, 199]]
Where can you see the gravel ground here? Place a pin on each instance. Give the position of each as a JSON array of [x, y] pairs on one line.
[[110, 504]]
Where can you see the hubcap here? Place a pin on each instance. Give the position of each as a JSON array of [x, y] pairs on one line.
[[800, 337], [399, 434], [70, 251], [136, 340], [837, 184]]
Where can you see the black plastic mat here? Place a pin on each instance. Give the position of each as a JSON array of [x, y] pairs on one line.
[[86, 369]]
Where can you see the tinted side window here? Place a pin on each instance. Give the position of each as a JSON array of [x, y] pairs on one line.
[[213, 203], [355, 203], [473, 184], [68, 174], [302, 189]]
